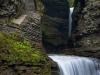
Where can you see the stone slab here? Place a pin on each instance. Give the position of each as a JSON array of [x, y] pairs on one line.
[[19, 20]]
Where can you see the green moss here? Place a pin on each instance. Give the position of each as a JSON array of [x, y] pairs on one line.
[[41, 8], [71, 3], [11, 20], [43, 26], [44, 30], [12, 50]]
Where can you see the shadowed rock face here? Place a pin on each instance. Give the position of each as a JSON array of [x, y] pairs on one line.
[[86, 26], [56, 8], [1, 1], [55, 20]]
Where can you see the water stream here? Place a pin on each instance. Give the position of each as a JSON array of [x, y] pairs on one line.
[[70, 20], [75, 65]]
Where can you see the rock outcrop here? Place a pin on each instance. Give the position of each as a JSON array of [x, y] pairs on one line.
[[21, 17], [10, 9], [55, 24], [86, 27]]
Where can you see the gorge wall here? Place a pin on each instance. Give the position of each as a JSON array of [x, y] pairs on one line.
[[12, 12], [86, 28], [55, 24]]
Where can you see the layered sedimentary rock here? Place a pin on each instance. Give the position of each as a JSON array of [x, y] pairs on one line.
[[86, 27], [55, 24], [11, 14], [20, 17]]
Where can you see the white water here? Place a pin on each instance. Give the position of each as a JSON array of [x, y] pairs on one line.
[[70, 20], [74, 65]]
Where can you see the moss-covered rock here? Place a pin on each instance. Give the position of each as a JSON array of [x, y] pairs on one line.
[[15, 49], [71, 3]]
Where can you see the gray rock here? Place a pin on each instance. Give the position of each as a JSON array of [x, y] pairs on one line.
[[86, 25]]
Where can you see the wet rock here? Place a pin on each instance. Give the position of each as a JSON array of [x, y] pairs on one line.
[[55, 24], [86, 26], [86, 30]]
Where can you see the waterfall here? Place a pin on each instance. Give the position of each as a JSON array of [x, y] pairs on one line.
[[75, 65], [70, 20]]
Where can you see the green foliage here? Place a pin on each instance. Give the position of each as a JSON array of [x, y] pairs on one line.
[[71, 2], [41, 8], [43, 26], [11, 20], [41, 13], [12, 50], [44, 29]]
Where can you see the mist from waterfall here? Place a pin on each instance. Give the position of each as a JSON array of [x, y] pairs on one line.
[[75, 65], [70, 19]]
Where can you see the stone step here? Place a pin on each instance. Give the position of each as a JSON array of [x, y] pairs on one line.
[[19, 20]]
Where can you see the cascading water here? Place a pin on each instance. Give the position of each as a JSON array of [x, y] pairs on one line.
[[70, 20], [75, 65]]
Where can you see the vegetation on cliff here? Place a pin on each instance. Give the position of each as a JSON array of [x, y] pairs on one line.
[[44, 30], [71, 2], [41, 8], [14, 48]]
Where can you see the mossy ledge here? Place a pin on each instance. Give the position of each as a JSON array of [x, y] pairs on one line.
[[17, 53]]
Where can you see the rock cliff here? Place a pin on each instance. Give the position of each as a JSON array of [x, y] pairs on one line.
[[86, 28], [21, 17], [55, 24], [10, 9]]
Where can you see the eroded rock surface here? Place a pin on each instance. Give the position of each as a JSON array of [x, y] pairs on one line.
[[86, 27], [11, 10], [30, 26]]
